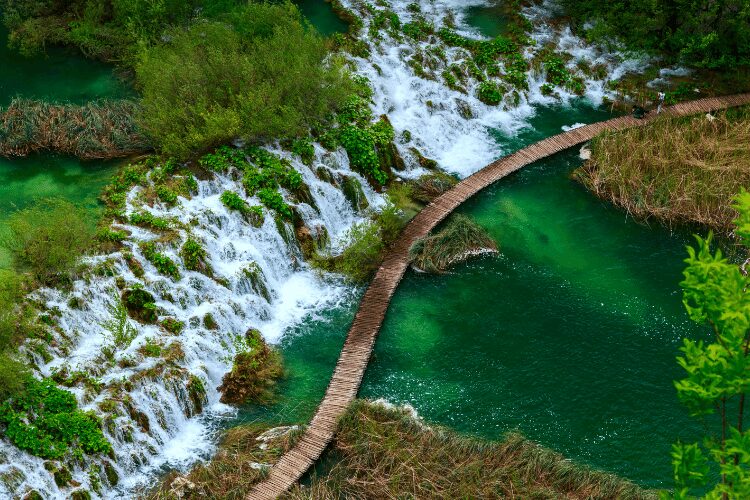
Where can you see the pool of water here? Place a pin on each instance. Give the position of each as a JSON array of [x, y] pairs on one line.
[[569, 336], [59, 76], [320, 14]]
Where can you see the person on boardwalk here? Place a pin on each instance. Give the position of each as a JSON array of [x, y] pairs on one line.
[[662, 96]]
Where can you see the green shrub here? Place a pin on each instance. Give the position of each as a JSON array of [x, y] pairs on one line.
[[273, 200], [163, 264], [360, 147], [194, 256], [147, 219], [274, 78], [45, 421], [304, 149], [48, 238], [167, 195], [490, 93], [140, 304], [363, 253], [232, 201], [173, 325]]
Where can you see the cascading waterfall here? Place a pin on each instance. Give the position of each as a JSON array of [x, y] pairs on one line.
[[161, 412]]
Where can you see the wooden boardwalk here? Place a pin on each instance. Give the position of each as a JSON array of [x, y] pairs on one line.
[[350, 368]]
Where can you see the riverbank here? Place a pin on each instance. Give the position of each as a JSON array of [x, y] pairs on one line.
[[382, 451], [675, 170]]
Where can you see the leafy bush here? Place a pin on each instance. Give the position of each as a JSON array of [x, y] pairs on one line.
[[273, 200], [194, 256], [140, 304], [274, 80], [48, 238], [45, 421], [490, 93], [232, 201], [150, 220], [698, 33], [163, 264]]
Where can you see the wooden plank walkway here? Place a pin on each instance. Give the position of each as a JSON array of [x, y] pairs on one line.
[[360, 340]]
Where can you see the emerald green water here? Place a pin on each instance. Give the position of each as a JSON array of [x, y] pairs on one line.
[[570, 335], [320, 14], [58, 76]]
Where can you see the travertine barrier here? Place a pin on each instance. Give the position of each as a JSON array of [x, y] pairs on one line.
[[360, 340]]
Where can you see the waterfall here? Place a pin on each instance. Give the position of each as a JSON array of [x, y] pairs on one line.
[[153, 411]]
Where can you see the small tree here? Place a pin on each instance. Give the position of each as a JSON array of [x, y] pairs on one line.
[[715, 293]]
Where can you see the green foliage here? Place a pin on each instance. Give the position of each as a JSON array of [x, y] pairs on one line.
[[147, 219], [698, 33], [173, 325], [233, 201], [259, 73], [167, 195], [304, 149], [118, 328], [255, 369], [48, 238], [360, 144], [490, 93], [45, 421], [163, 263], [418, 29], [140, 304], [194, 255], [222, 158], [717, 374], [273, 200], [104, 29], [558, 74], [271, 171]]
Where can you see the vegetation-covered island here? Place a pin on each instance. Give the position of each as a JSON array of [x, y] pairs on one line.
[[374, 249]]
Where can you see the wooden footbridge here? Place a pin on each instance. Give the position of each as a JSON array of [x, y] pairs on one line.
[[350, 368]]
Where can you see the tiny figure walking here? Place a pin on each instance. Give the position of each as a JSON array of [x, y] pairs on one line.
[[662, 96]]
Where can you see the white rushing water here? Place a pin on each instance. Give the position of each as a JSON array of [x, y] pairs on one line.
[[155, 425]]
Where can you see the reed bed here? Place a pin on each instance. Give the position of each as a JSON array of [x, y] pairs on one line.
[[97, 130], [459, 239], [676, 170], [382, 453]]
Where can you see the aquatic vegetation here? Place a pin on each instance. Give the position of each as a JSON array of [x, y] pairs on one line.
[[149, 220], [45, 421], [96, 130], [374, 442], [491, 93], [460, 239], [429, 186], [254, 373], [676, 170]]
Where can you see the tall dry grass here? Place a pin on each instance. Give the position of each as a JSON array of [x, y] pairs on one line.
[[676, 170], [382, 453], [97, 130]]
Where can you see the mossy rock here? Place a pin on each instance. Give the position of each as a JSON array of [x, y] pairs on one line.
[[325, 175], [112, 476], [390, 159], [140, 304], [196, 394], [423, 161], [209, 322], [304, 195], [254, 373], [62, 476], [312, 241], [33, 495], [253, 275], [80, 495], [353, 192]]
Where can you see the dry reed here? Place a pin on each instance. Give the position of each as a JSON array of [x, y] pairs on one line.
[[677, 170], [97, 130]]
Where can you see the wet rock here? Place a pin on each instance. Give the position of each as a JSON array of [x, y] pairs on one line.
[[353, 192]]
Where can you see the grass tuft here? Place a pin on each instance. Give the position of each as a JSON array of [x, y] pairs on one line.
[[676, 170]]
